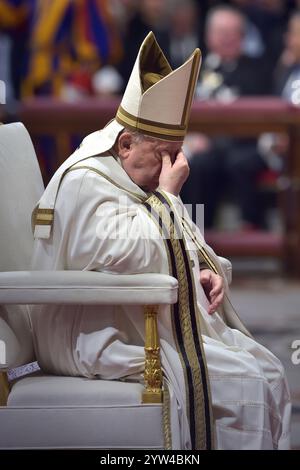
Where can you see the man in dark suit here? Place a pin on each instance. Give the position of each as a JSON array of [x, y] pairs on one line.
[[227, 163]]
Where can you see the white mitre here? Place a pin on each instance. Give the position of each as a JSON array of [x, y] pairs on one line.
[[156, 102], [157, 99]]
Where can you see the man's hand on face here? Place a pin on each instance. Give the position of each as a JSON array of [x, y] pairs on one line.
[[213, 287], [172, 176]]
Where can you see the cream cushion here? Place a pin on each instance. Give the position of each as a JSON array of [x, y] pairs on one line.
[[71, 412]]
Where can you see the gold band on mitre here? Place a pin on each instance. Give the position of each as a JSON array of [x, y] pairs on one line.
[[155, 129]]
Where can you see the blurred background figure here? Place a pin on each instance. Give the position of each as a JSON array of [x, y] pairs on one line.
[[56, 49], [286, 83], [185, 30], [149, 15], [13, 38], [57, 45], [227, 72], [287, 72], [177, 25], [227, 164], [265, 26]]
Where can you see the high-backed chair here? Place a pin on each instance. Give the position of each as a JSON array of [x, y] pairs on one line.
[[43, 411]]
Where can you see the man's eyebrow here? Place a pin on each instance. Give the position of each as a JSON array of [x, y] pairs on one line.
[[167, 149]]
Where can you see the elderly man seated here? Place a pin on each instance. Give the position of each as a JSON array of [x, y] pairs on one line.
[[114, 207]]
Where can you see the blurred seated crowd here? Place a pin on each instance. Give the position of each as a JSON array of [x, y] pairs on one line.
[[71, 49]]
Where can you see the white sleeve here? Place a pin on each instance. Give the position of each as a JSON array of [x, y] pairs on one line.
[[112, 232]]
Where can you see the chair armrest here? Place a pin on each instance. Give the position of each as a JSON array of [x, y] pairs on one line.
[[86, 287], [227, 268]]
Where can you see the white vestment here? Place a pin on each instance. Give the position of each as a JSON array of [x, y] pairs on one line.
[[249, 392]]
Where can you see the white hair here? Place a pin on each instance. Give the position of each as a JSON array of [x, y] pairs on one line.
[[138, 137]]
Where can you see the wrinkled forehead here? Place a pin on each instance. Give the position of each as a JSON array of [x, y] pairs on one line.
[[168, 146]]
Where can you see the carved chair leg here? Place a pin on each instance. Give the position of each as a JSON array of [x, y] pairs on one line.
[[153, 374], [4, 388]]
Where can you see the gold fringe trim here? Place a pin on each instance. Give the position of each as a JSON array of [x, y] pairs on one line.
[[167, 418]]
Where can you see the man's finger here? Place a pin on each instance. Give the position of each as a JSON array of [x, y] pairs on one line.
[[217, 283], [217, 289], [216, 303], [166, 158], [180, 156], [205, 277]]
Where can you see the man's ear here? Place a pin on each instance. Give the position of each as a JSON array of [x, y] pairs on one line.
[[124, 145]]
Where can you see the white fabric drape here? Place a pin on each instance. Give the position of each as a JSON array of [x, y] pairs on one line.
[[250, 396]]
